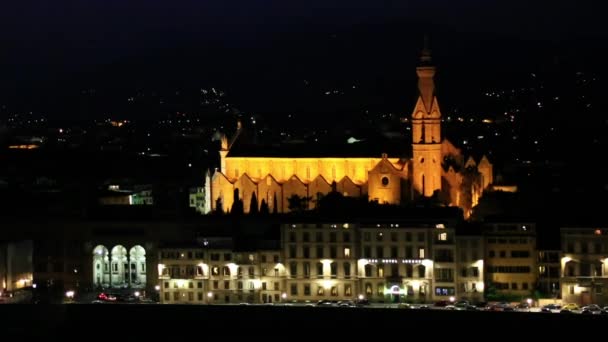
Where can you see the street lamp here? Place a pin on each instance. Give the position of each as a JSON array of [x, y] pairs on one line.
[[69, 295], [529, 301], [283, 296], [209, 296]]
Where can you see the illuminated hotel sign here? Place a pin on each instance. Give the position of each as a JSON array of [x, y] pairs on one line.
[[394, 261]]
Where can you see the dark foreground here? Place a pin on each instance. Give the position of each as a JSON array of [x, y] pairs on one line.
[[81, 322]]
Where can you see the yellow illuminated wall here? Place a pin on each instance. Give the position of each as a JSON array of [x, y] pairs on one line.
[[305, 177], [306, 169], [384, 183]]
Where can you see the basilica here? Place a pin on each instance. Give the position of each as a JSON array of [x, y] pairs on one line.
[[435, 167]]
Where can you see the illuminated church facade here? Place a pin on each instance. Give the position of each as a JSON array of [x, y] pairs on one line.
[[436, 167]]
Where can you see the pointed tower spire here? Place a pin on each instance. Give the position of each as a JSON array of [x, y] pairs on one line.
[[426, 72], [425, 56]]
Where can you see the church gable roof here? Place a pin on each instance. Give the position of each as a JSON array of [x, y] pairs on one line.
[[295, 179], [484, 161], [384, 166], [244, 178], [272, 179], [346, 180], [421, 112], [321, 179], [447, 148], [220, 177], [470, 163]]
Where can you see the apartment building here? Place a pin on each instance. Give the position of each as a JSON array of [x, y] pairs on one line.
[[583, 265], [510, 258]]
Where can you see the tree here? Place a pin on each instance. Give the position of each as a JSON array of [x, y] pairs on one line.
[[294, 202], [297, 203], [253, 205], [491, 292], [237, 206], [219, 206], [264, 210], [318, 199]]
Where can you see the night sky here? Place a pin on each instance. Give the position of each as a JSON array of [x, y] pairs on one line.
[[250, 46]]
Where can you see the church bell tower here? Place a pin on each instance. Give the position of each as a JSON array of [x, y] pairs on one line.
[[426, 131]]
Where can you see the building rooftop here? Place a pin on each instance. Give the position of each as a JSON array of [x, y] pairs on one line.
[[373, 145]]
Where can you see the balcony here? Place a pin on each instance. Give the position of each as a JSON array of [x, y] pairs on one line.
[[394, 279], [584, 281], [444, 280], [444, 259]]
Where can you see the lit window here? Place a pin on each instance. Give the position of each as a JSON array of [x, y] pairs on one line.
[[421, 253], [347, 252], [443, 237], [598, 232]]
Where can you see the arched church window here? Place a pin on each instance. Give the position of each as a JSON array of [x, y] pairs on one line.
[[385, 181], [422, 133], [421, 160]]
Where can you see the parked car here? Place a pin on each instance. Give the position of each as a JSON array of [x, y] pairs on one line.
[[592, 309], [412, 306], [569, 308], [551, 308], [442, 303], [362, 302], [346, 303]]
